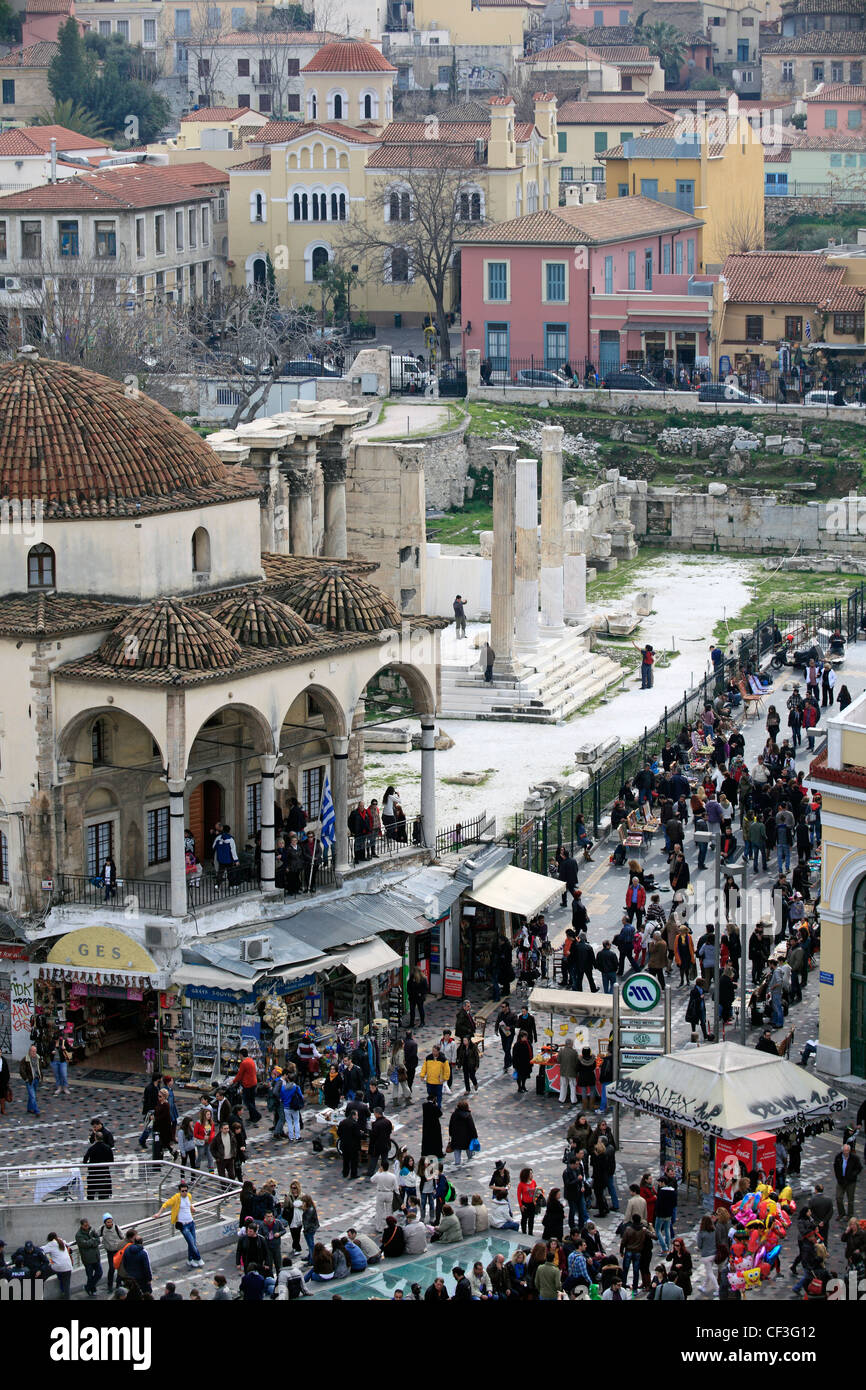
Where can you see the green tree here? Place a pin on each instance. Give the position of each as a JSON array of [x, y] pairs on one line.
[[72, 68], [666, 43], [293, 18], [10, 24], [704, 82], [72, 117], [798, 121]]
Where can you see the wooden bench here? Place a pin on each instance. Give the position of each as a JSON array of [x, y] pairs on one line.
[[748, 698]]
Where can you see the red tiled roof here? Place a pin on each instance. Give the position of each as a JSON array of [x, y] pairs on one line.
[[626, 53], [635, 113], [451, 132], [840, 91], [35, 55], [431, 154], [218, 113], [126, 186], [590, 224], [790, 277], [848, 776], [816, 41], [36, 140], [197, 174], [49, 7], [348, 55], [306, 38], [251, 165], [78, 442], [280, 132], [566, 52]]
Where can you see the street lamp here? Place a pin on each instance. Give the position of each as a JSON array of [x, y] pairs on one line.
[[741, 871]]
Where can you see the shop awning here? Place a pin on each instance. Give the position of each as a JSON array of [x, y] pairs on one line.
[[515, 890], [364, 961], [209, 975], [695, 325], [727, 1091]]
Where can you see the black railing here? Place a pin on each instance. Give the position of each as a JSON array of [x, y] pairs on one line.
[[535, 840], [147, 895], [452, 838], [214, 888]]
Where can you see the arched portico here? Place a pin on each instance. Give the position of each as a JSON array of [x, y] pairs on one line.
[[420, 698]]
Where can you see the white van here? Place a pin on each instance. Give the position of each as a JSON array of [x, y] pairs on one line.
[[406, 375], [826, 398]]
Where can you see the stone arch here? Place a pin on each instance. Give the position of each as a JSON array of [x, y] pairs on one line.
[[100, 798], [330, 158], [259, 721], [72, 731], [343, 161], [423, 697], [336, 718], [844, 884]]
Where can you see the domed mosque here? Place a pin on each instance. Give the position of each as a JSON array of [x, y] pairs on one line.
[[164, 668]]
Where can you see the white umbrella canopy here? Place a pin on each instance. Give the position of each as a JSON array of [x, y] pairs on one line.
[[727, 1091]]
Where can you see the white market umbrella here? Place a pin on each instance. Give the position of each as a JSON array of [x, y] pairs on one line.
[[727, 1091]]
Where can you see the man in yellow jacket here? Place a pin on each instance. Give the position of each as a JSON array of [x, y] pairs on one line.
[[436, 1072], [182, 1213]]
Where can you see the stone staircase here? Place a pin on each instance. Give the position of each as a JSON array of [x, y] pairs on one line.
[[558, 679]]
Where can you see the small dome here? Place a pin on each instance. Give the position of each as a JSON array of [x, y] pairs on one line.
[[348, 55], [167, 633], [343, 603], [260, 621]]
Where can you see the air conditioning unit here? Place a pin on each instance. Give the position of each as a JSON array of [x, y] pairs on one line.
[[256, 948], [159, 938], [11, 282]]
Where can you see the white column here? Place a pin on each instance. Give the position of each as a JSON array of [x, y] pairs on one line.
[[504, 543], [552, 574], [334, 473], [526, 571], [340, 794], [301, 510], [428, 781], [176, 820], [269, 763]]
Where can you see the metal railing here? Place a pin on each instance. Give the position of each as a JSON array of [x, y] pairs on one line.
[[132, 1177], [452, 838], [211, 888], [389, 844], [534, 841], [149, 895]]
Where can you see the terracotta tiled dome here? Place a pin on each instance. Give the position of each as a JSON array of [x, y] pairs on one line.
[[169, 633], [79, 443], [348, 55], [260, 621], [343, 603]]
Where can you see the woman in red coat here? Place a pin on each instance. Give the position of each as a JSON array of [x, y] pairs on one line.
[[635, 901]]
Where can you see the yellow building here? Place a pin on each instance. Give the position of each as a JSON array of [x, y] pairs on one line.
[[587, 129], [839, 774], [24, 93], [712, 166], [799, 297], [307, 180], [137, 21], [481, 22]]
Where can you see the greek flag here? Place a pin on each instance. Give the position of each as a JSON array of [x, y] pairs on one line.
[[327, 816], [808, 330]]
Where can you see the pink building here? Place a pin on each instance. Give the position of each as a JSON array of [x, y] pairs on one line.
[[605, 283], [605, 16], [43, 18], [839, 106]]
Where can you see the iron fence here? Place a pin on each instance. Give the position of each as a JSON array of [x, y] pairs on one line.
[[452, 838], [149, 895], [534, 840]]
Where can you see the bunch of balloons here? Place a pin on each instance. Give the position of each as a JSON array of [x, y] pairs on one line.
[[763, 1220]]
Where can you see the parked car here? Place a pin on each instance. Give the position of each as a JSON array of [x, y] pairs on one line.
[[539, 376], [407, 375], [719, 391], [826, 398], [307, 367], [629, 381]]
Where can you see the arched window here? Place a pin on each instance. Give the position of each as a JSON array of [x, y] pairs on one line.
[[338, 107], [4, 858], [201, 549], [258, 207], [338, 207], [320, 262], [260, 276], [518, 202], [532, 198], [98, 742], [368, 107], [399, 207], [320, 207], [41, 568], [312, 106], [301, 207]]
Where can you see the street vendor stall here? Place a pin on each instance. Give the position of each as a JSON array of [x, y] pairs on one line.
[[588, 1019], [720, 1108]]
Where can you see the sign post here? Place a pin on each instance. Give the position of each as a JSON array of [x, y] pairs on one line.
[[641, 1025]]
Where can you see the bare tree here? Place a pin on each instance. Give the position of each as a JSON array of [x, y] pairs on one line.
[[414, 221], [277, 65], [209, 59], [742, 231]]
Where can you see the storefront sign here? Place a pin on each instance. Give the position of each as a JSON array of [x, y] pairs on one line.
[[297, 986], [14, 953], [219, 996], [95, 947], [105, 992], [453, 984]]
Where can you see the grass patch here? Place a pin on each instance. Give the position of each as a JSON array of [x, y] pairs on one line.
[[628, 574], [461, 526], [456, 417], [784, 591]]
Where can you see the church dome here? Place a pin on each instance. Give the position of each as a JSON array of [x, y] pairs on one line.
[[343, 603], [348, 55], [83, 447], [169, 634], [258, 620]]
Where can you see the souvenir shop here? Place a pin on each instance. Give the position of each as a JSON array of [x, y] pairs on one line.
[[499, 906], [99, 987]]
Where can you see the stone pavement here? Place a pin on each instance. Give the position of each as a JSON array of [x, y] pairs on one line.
[[521, 1129]]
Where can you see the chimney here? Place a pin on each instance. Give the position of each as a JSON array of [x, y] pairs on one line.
[[588, 193], [572, 195], [53, 175], [501, 147]]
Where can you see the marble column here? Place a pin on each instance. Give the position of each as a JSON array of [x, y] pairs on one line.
[[340, 794], [552, 573], [301, 510], [334, 474], [504, 542], [428, 781], [177, 854], [267, 877], [526, 570]]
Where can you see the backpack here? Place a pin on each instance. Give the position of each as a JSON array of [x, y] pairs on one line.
[[223, 851], [296, 1099], [117, 1258]]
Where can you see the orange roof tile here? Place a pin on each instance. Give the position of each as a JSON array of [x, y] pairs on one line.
[[790, 277], [35, 55], [348, 55], [218, 113]]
